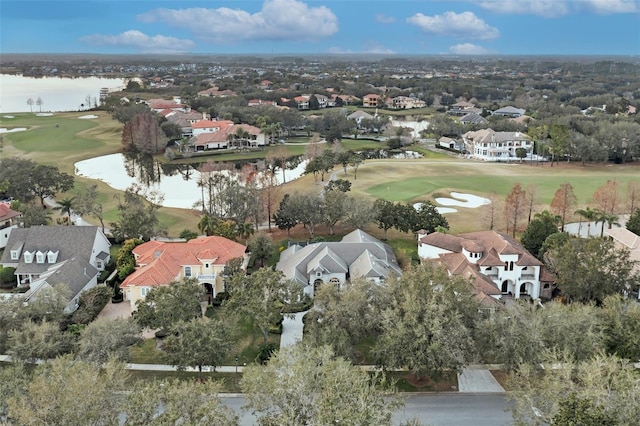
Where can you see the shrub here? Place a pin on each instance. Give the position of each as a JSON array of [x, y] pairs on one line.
[[90, 303], [265, 351], [7, 277]]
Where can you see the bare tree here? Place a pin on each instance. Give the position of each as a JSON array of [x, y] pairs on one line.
[[633, 195], [564, 202], [607, 197], [30, 103], [514, 208], [39, 102]]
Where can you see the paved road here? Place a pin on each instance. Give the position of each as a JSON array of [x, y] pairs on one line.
[[433, 409]]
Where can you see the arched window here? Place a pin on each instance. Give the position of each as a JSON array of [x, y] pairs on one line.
[[523, 288], [505, 286], [187, 271], [335, 281], [511, 266], [316, 284]]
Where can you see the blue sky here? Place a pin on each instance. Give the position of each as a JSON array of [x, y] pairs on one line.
[[503, 27]]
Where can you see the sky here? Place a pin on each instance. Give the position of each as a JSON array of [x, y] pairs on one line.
[[394, 27]]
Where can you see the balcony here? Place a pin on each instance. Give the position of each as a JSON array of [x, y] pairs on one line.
[[527, 277], [206, 277]]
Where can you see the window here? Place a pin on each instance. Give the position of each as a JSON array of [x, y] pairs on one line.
[[99, 264], [52, 256], [28, 257], [40, 257], [14, 255], [187, 271], [318, 274], [206, 265], [144, 291]]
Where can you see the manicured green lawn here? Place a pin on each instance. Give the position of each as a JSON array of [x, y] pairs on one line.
[[63, 135]]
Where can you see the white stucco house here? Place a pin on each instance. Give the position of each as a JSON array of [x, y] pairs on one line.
[[9, 220], [489, 145], [46, 256], [357, 255], [497, 264]]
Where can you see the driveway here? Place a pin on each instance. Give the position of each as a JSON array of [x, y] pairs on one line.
[[116, 310], [476, 381], [291, 329]]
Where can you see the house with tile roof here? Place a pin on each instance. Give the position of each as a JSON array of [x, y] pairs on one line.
[[159, 263], [357, 255], [208, 134], [9, 220], [497, 265], [46, 256], [489, 145]]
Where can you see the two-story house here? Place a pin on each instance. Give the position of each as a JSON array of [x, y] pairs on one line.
[[497, 264], [357, 255], [371, 100], [45, 256], [159, 263], [9, 220], [489, 145]]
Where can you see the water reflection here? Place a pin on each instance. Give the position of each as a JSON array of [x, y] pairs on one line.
[[178, 183]]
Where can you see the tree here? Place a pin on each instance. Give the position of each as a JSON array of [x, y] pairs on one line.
[[335, 392], [307, 209], [65, 207], [489, 212], [285, 217], [543, 225], [143, 134], [278, 158], [30, 103], [197, 343], [87, 204], [48, 180], [333, 208], [602, 389], [591, 269], [187, 234], [34, 341], [558, 142], [633, 196], [261, 296], [345, 316], [125, 260], [563, 202], [105, 339], [68, 392], [589, 215], [39, 102], [188, 403], [33, 215], [138, 217], [424, 322], [341, 185], [428, 218], [245, 230], [514, 208], [343, 158], [621, 320], [521, 153], [606, 198], [261, 248], [532, 199], [356, 161], [385, 215], [633, 224], [269, 192], [165, 306], [359, 212]]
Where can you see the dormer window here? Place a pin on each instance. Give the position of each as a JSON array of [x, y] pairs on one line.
[[52, 256], [28, 257], [15, 255], [39, 257]]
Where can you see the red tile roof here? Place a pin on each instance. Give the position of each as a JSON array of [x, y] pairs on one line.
[[6, 213], [160, 262]]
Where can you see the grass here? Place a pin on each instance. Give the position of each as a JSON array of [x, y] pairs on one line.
[[230, 381], [407, 382]]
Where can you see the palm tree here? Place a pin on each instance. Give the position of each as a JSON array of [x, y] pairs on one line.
[[207, 225], [611, 220], [245, 230], [65, 207], [30, 103], [39, 102], [590, 215]]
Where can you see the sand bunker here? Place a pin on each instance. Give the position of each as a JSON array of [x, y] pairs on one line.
[[15, 129], [44, 114], [463, 200], [8, 116], [86, 117]]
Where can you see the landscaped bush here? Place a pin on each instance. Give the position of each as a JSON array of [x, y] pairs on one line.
[[266, 351], [304, 305], [90, 304], [7, 277]]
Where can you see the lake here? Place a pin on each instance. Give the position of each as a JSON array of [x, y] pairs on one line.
[[57, 94], [178, 184]]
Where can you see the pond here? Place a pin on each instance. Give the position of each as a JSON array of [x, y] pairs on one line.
[[177, 183]]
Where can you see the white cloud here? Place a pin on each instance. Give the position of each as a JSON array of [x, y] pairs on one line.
[[385, 19], [465, 25], [277, 20], [556, 8], [468, 49], [141, 42], [546, 8], [607, 7]]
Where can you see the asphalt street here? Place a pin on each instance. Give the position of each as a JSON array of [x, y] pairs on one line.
[[452, 409]]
